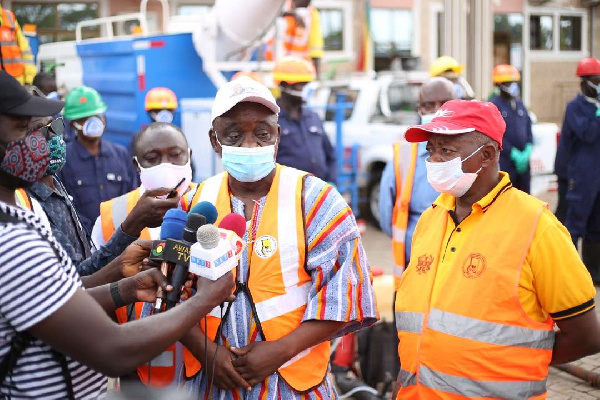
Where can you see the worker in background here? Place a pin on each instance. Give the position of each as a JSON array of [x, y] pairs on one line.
[[162, 158], [404, 190], [486, 283], [449, 68], [303, 144], [302, 36], [15, 54], [578, 162], [250, 74], [160, 104], [309, 280], [97, 170], [517, 143], [46, 83]]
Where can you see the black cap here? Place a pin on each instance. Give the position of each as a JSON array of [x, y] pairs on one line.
[[16, 100]]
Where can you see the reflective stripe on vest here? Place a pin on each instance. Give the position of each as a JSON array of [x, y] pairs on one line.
[[23, 199], [470, 337], [471, 388], [163, 367], [405, 163], [280, 298], [12, 61]]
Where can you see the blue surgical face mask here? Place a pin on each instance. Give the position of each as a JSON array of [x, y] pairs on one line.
[[164, 116], [248, 164], [513, 89], [426, 118]]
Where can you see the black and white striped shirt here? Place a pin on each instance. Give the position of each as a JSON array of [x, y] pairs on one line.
[[34, 283]]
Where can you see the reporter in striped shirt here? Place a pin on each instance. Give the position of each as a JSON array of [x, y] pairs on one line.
[[42, 302]]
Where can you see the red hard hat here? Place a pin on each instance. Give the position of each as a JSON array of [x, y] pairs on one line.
[[588, 66]]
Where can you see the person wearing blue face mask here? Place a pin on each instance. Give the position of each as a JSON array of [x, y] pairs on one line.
[[97, 170], [304, 277], [518, 139], [404, 191]]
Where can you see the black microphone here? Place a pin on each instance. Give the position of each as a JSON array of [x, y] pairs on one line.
[[194, 221]]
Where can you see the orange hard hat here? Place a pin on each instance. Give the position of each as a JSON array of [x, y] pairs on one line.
[[250, 74], [293, 70], [588, 67], [160, 98], [505, 73]]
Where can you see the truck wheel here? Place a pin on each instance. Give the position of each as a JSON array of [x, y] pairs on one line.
[[374, 201]]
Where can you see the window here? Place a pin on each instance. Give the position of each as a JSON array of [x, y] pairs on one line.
[[508, 39], [332, 26], [56, 21], [570, 33], [540, 32], [392, 30], [193, 9]]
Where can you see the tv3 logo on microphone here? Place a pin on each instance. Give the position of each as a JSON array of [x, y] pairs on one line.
[[215, 263]]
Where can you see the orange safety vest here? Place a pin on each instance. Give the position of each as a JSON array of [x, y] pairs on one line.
[[405, 164], [473, 339], [12, 61], [162, 369], [295, 38], [279, 283], [114, 211], [23, 199]]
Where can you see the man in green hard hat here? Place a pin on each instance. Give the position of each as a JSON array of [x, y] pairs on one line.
[[96, 169]]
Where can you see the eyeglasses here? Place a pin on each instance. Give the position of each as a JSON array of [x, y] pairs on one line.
[[57, 127]]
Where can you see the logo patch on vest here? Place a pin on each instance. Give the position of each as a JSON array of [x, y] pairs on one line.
[[424, 263], [474, 265], [265, 246]]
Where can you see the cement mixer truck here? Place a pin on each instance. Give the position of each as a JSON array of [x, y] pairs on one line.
[[193, 56]]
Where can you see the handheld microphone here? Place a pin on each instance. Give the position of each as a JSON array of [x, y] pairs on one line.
[[194, 221], [218, 250], [171, 229], [207, 209]]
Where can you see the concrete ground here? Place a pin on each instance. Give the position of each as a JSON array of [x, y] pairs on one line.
[[561, 385]]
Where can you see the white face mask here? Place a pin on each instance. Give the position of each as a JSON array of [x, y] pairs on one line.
[[92, 127], [448, 177], [166, 175]]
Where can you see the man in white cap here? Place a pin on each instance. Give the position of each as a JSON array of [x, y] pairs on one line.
[[303, 278]]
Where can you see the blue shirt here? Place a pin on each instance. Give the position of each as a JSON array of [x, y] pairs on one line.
[[518, 128], [304, 145], [94, 179], [579, 146], [68, 231], [422, 197]]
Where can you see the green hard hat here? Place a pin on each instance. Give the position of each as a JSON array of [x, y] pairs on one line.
[[83, 101]]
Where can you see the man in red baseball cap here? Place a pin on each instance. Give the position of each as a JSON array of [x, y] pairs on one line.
[[577, 165], [486, 282]]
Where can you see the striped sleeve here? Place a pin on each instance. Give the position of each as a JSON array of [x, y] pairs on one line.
[[34, 284], [341, 289]]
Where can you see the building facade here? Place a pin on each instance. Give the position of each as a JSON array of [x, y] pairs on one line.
[[543, 38]]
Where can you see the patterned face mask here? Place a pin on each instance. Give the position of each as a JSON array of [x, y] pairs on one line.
[[26, 159], [58, 154]]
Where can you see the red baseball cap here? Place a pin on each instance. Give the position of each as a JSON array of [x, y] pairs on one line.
[[461, 116]]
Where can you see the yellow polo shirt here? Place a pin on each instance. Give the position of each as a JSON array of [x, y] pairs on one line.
[[553, 280]]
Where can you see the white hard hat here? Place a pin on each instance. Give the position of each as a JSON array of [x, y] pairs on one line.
[[240, 90]]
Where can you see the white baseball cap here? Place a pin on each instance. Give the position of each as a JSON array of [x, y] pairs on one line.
[[240, 90]]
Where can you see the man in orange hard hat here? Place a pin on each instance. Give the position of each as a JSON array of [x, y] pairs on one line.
[[304, 144], [517, 143], [577, 165], [160, 104]]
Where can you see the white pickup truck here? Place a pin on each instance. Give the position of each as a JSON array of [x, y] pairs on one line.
[[383, 108]]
